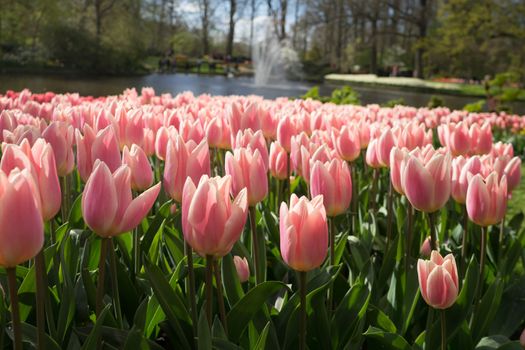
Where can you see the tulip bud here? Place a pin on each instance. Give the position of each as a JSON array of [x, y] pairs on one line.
[[138, 163], [333, 181], [438, 280], [247, 170], [242, 267], [304, 233], [487, 200]]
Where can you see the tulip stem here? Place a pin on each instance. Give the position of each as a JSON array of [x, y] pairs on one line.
[[465, 240], [101, 277], [221, 163], [64, 207], [410, 219], [372, 197], [255, 247], [220, 297], [332, 262], [288, 182], [432, 225], [15, 313], [443, 331], [483, 246], [302, 291], [209, 288], [354, 201], [389, 215], [114, 280], [40, 267], [191, 287], [136, 251]]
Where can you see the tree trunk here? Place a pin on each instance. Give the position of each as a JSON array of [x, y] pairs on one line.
[[205, 27], [231, 32], [422, 33], [284, 7], [373, 48], [252, 18]]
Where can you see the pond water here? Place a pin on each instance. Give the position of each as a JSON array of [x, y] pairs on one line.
[[215, 85]]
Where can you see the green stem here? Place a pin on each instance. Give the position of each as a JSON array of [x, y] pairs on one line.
[[371, 198], [408, 244], [15, 313], [136, 250], [332, 262], [101, 277], [302, 291], [288, 182], [209, 288], [464, 243], [40, 267], [389, 215], [432, 225], [64, 207], [482, 260], [443, 331], [354, 200], [114, 281], [191, 288], [221, 162], [220, 297], [255, 247]]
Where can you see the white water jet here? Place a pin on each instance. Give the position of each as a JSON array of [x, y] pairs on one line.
[[273, 60]]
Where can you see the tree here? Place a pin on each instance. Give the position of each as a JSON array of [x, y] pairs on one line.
[[231, 30]]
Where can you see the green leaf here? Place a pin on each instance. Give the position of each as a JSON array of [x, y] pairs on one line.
[[261, 342], [96, 332], [246, 308], [379, 319], [204, 338], [170, 302], [230, 280], [487, 309], [385, 340], [497, 342]]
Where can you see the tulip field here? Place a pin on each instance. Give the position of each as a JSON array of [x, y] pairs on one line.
[[145, 221]]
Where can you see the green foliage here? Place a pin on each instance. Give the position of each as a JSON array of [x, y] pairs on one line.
[[435, 102], [394, 102], [474, 107], [342, 96]]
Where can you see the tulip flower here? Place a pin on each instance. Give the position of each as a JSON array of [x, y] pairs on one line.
[[332, 180], [60, 135], [138, 163], [438, 280], [278, 161], [304, 241], [242, 267], [285, 131], [304, 233], [455, 137], [522, 339], [385, 143], [247, 170], [427, 186], [487, 199], [461, 168], [254, 141], [480, 139], [184, 160], [107, 204], [218, 133], [346, 143], [371, 155], [397, 161], [513, 173], [211, 222]]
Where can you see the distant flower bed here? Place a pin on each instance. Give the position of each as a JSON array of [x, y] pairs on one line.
[[185, 222]]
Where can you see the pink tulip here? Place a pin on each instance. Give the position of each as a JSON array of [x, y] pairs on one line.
[[333, 181], [242, 267], [253, 141], [278, 161], [60, 135], [487, 200], [425, 249], [241, 120], [455, 137], [371, 155], [480, 139], [513, 173], [500, 149], [218, 133], [184, 160], [461, 169], [346, 143], [385, 143], [296, 143], [304, 233], [247, 170], [397, 162], [522, 339], [211, 222], [438, 280], [138, 163], [21, 225], [364, 133], [427, 186], [102, 146], [107, 204], [285, 131], [164, 134]]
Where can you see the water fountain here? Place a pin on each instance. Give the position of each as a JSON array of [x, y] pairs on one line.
[[273, 60]]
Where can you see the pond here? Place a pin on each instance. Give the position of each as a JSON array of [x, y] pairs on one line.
[[215, 85]]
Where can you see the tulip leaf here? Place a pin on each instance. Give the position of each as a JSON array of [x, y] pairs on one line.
[[170, 302], [230, 280], [378, 338], [379, 319], [29, 335], [246, 308], [204, 337], [511, 311], [261, 342], [497, 342], [96, 332], [486, 310], [75, 219]]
